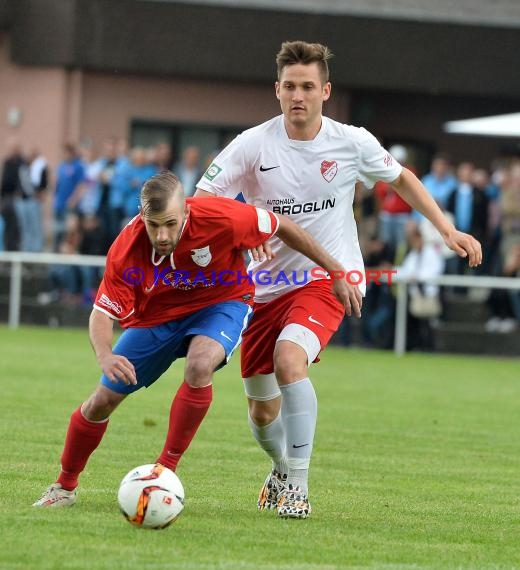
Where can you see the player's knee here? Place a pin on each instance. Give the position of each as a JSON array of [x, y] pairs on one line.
[[290, 362], [264, 412], [198, 371], [100, 405]]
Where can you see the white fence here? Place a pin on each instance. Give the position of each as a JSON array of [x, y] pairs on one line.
[[18, 259], [474, 281]]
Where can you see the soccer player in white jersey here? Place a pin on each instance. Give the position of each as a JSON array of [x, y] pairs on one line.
[[304, 165]]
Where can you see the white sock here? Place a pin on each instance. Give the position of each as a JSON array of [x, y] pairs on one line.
[[271, 438], [299, 414]]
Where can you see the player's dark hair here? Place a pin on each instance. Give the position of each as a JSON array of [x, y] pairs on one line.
[[158, 190], [305, 53]]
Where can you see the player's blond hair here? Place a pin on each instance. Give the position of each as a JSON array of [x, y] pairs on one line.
[[157, 192], [295, 52]]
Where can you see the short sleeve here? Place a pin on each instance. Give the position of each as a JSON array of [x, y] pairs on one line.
[[115, 297], [375, 163], [227, 175], [252, 226]]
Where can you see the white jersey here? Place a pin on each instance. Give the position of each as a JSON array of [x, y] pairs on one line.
[[312, 182]]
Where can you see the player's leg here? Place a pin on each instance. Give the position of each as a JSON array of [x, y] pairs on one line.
[[211, 337], [312, 319], [89, 422], [265, 422], [264, 396], [87, 426], [299, 414], [193, 398]]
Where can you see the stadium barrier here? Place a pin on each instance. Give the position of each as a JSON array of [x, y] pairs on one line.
[[471, 281], [18, 259]]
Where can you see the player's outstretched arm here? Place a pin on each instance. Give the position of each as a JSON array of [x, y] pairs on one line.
[[300, 240], [115, 367], [410, 188]]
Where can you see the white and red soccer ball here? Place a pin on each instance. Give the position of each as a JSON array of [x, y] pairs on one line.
[[151, 496]]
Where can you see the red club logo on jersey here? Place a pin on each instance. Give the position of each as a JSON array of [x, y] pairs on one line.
[[329, 169], [201, 256]]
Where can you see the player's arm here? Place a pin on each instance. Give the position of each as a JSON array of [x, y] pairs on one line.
[[199, 193], [410, 188], [300, 240], [115, 367]]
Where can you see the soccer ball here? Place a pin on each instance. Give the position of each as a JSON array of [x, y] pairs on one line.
[[151, 496]]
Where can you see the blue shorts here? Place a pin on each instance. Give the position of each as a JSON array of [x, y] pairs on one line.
[[152, 350]]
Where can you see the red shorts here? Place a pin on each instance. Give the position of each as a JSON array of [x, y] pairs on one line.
[[313, 306]]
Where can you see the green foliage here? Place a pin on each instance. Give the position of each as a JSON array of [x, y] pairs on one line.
[[416, 465]]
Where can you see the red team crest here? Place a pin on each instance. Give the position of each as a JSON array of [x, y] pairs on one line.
[[329, 169]]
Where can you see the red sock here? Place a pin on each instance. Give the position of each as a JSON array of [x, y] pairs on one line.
[[82, 439], [186, 414]]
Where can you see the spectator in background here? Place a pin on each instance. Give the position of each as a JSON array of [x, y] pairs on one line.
[[140, 170], [10, 193], [66, 279], [512, 269], [188, 169], [505, 304], [440, 181], [431, 236], [108, 163], [119, 188], [69, 177], [510, 209], [365, 208], [377, 319], [394, 212], [481, 180], [151, 156], [26, 211], [39, 176], [90, 193], [163, 156], [92, 243], [469, 206], [422, 263]]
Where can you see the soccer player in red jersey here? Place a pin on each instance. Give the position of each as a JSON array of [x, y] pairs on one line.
[[176, 282]]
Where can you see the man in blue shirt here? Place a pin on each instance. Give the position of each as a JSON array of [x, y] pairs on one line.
[[440, 182], [69, 176]]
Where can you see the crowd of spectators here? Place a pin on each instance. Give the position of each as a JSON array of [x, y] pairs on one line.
[[483, 202], [81, 206]]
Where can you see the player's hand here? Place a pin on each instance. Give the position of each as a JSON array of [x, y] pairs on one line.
[[465, 245], [262, 252], [349, 296], [118, 369]]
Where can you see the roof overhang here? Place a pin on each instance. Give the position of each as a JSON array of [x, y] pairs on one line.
[[494, 126]]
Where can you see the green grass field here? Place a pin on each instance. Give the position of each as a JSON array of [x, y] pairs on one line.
[[416, 465]]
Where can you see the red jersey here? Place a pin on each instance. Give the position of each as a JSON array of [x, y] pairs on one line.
[[389, 200], [143, 289]]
